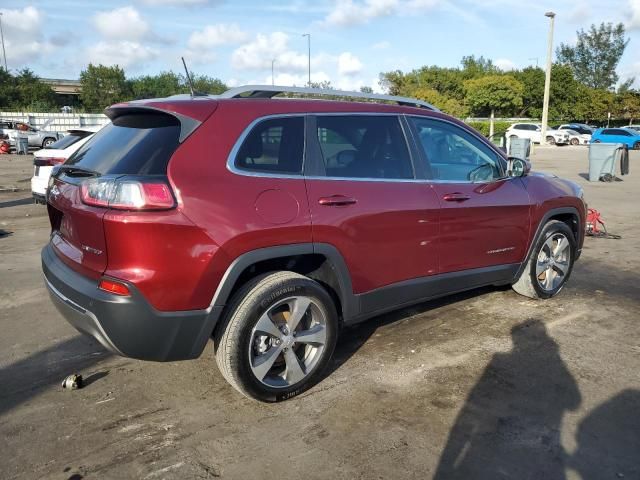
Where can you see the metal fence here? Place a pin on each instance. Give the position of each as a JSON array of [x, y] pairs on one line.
[[61, 121]]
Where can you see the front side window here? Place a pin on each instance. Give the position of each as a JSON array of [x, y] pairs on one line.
[[454, 154], [275, 145], [364, 146], [608, 132]]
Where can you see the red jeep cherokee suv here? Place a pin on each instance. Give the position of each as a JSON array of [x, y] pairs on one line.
[[267, 224]]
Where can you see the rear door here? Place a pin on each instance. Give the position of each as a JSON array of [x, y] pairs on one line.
[[484, 217], [366, 201], [135, 144]]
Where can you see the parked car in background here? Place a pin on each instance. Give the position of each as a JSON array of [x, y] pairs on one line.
[[579, 128], [533, 131], [577, 138], [634, 127], [302, 217], [38, 137], [627, 136], [55, 154]]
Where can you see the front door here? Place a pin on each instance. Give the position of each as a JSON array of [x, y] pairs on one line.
[[366, 201], [485, 218]]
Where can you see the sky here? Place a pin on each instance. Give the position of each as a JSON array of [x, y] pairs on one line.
[[352, 41]]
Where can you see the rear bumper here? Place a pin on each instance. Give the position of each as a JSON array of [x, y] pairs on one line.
[[126, 326]]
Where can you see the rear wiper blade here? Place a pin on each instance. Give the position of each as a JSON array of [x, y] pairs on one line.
[[74, 171]]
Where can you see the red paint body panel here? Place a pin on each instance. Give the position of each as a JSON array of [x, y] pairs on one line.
[[389, 235], [77, 237], [496, 216]]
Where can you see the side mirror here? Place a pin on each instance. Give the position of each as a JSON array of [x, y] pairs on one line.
[[518, 167]]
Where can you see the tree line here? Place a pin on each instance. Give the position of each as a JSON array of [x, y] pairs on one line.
[[584, 85]]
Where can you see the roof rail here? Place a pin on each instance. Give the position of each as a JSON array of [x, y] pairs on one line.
[[269, 91]]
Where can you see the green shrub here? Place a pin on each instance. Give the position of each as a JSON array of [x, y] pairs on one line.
[[498, 128]]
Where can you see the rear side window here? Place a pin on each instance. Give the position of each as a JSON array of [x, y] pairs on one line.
[[134, 144], [273, 146], [68, 140], [363, 146]]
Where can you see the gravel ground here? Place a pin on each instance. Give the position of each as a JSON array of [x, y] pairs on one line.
[[487, 384]]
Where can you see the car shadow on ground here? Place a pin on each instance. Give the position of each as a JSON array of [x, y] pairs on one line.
[[510, 425], [27, 378]]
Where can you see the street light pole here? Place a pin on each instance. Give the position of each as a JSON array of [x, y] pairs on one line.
[[272, 62], [308, 35], [547, 80], [4, 53]]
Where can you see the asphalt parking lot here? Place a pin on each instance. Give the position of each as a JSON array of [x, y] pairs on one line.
[[487, 384]]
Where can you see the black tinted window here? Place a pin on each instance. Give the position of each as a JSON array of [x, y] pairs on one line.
[[363, 146], [274, 146], [68, 140], [135, 144], [608, 132], [454, 154]]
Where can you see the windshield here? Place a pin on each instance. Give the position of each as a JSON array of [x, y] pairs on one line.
[[68, 140]]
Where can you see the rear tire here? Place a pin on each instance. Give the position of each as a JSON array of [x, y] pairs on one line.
[[550, 263], [277, 336], [636, 146]]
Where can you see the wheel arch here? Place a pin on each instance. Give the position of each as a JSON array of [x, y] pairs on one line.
[[320, 262], [568, 215]]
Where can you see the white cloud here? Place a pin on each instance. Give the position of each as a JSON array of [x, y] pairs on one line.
[[504, 64], [634, 22], [381, 45], [258, 54], [178, 3], [349, 64], [23, 37], [126, 54], [213, 36], [348, 12], [122, 24], [580, 12]]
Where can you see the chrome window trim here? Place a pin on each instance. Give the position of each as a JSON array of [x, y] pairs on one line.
[[247, 173], [231, 159]]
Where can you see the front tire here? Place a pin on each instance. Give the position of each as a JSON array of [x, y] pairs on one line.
[[551, 140], [47, 141], [575, 141], [550, 263], [636, 146], [277, 336]]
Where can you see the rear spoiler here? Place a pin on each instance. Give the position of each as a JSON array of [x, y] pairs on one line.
[[190, 114]]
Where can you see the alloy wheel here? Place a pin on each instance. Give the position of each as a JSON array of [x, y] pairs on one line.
[[553, 262], [287, 342]]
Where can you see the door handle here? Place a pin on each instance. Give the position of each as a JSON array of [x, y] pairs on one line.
[[456, 197], [336, 201]]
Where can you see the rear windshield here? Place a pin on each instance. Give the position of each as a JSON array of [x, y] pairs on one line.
[[68, 140], [134, 144]]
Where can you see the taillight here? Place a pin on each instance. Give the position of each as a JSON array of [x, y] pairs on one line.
[[128, 194], [48, 161]]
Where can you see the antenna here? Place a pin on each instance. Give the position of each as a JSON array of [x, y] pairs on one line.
[[186, 70]]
